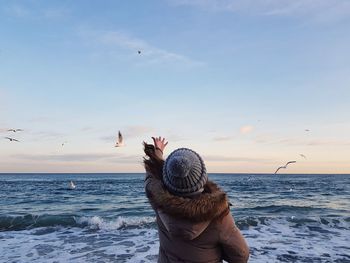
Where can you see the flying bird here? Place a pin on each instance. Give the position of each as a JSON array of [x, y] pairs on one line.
[[139, 51], [285, 166], [63, 143], [72, 185], [119, 141], [14, 130], [302, 155], [11, 139], [307, 130]]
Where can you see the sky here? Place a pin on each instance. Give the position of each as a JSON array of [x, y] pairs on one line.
[[238, 81]]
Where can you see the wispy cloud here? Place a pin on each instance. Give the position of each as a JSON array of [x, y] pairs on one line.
[[219, 158], [151, 54], [295, 141], [31, 12], [17, 10], [309, 8], [55, 13], [80, 157], [172, 137], [45, 120], [223, 138], [40, 119], [246, 129], [45, 135], [137, 130]]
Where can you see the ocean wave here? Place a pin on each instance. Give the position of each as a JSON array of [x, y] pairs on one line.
[[295, 221], [283, 208], [97, 222], [282, 239], [29, 221]]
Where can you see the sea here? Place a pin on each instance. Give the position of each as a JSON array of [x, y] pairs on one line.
[[106, 218]]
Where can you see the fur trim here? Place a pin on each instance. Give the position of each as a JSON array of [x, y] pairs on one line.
[[209, 205]]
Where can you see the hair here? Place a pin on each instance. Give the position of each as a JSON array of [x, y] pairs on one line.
[[151, 162]]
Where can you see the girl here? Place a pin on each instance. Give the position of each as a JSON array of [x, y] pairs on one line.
[[193, 216]]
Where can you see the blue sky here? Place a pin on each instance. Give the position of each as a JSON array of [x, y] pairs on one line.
[[237, 81]]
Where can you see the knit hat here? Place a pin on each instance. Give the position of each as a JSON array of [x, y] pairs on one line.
[[184, 172]]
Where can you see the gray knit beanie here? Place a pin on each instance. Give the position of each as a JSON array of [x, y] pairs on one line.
[[184, 172]]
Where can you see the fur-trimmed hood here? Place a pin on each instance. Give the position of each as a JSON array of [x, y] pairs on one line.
[[210, 204], [187, 217]]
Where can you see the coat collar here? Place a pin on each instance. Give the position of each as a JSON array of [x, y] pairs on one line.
[[210, 204]]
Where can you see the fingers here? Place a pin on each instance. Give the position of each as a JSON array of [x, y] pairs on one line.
[[159, 141], [154, 140]]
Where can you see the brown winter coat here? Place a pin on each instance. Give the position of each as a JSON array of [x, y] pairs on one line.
[[199, 229]]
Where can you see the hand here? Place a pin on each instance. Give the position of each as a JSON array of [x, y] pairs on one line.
[[159, 143]]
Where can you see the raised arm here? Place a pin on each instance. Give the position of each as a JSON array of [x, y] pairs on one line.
[[153, 163]]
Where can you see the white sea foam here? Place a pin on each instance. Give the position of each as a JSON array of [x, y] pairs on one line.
[[132, 240], [97, 222], [279, 240], [79, 245]]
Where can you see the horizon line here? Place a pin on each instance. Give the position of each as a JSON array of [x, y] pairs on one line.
[[246, 173]]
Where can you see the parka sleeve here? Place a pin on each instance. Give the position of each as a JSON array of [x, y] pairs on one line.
[[152, 181], [234, 246]]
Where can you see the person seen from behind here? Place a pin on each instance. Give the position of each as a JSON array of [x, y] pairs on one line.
[[193, 214]]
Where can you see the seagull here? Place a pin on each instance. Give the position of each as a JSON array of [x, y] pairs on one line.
[[11, 139], [285, 166], [302, 155], [119, 142], [72, 185], [307, 130], [14, 130]]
